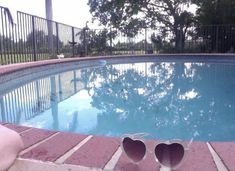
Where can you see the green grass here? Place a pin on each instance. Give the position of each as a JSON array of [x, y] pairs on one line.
[[19, 58]]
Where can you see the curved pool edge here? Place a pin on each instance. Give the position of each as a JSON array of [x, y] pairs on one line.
[[5, 69], [16, 74]]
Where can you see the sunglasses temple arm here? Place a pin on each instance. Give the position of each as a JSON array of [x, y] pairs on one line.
[[139, 135]]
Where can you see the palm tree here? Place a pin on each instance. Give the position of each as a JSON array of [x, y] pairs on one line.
[[48, 7], [49, 17]]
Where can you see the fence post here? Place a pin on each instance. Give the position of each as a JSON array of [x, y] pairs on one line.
[[145, 41], [181, 41], [50, 37], [73, 41], [34, 40], [57, 38], [217, 39], [111, 48], [84, 41]]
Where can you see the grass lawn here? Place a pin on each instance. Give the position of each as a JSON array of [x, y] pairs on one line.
[[18, 58]]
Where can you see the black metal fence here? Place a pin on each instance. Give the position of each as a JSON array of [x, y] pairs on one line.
[[34, 38]]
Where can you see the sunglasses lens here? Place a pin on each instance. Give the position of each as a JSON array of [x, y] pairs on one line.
[[134, 149], [169, 155]]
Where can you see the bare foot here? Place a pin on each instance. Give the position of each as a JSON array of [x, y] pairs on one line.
[[10, 146]]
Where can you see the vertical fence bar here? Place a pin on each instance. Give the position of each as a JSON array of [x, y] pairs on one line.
[[6, 38], [27, 42], [73, 42], [111, 42], [24, 37], [20, 32], [145, 40], [1, 38], [57, 38], [13, 42], [34, 40], [84, 41], [28, 36], [30, 32], [217, 39], [16, 41], [44, 29], [181, 41]]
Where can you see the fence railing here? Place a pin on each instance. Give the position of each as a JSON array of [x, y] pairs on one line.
[[34, 38]]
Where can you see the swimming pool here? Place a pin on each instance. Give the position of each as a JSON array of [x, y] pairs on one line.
[[166, 97]]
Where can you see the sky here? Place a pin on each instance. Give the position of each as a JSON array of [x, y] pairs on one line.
[[71, 12]]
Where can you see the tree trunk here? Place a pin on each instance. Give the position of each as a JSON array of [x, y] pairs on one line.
[[179, 40]]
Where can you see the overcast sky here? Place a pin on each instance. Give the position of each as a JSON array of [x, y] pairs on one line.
[[71, 12]]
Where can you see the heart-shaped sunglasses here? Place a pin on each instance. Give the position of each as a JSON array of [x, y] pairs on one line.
[[169, 153]]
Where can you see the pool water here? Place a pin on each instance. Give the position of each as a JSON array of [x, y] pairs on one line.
[[168, 100]]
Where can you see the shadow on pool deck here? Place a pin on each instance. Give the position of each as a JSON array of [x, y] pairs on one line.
[[57, 151]]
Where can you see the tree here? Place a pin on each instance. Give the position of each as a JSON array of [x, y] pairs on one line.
[[95, 41], [172, 15], [213, 12], [98, 41], [219, 18], [41, 41], [8, 44]]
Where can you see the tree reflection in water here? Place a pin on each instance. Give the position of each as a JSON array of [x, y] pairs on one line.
[[167, 100]]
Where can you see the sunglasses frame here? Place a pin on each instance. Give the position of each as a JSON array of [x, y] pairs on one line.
[[140, 137], [134, 137], [185, 147]]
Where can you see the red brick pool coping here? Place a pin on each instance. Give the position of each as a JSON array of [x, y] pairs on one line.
[[63, 150], [5, 69]]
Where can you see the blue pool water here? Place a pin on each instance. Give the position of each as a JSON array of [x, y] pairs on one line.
[[165, 99]]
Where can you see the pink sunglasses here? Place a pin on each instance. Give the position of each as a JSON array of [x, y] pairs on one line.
[[168, 154]]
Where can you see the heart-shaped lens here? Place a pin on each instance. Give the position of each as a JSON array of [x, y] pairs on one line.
[[169, 155], [134, 149]]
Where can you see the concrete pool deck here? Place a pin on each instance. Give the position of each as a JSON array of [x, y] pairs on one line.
[[57, 151]]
